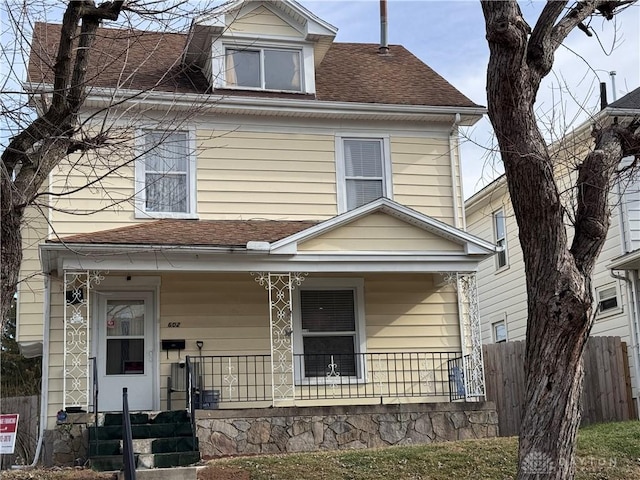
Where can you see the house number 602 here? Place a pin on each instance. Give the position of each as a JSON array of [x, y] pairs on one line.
[[173, 324]]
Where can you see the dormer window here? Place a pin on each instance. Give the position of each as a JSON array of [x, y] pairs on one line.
[[263, 68]]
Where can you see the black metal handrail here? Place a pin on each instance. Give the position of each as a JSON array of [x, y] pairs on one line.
[[248, 378], [192, 388], [128, 457], [94, 391]]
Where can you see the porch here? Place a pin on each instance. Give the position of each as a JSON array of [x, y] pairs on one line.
[[234, 340]]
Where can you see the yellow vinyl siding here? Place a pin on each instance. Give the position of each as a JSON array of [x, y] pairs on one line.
[[379, 232], [56, 349], [410, 313], [247, 174], [422, 175], [259, 21], [266, 175], [107, 203], [31, 286]]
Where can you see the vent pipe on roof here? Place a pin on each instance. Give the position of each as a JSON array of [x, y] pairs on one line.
[[384, 43], [603, 95], [612, 74]]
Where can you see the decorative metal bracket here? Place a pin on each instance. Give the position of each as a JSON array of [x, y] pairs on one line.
[[280, 287], [470, 333], [77, 310]]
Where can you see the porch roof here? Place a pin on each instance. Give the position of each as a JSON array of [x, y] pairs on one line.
[[211, 233], [277, 245]]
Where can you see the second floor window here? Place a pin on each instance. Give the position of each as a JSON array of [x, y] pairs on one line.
[[365, 171], [264, 68], [500, 230], [166, 174]]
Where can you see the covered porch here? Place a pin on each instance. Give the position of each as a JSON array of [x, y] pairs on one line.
[[287, 314]]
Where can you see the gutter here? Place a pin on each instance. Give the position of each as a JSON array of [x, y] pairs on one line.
[[212, 102]]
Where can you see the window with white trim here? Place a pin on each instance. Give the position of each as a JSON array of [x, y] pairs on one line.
[[328, 330], [165, 174], [364, 171], [607, 298], [500, 235], [263, 68], [499, 331]]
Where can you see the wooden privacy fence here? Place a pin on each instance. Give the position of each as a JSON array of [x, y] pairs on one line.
[[28, 409], [606, 395]]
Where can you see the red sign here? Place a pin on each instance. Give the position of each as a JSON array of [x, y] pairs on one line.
[[8, 431]]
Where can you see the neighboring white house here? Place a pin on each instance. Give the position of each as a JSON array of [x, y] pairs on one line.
[[501, 279]]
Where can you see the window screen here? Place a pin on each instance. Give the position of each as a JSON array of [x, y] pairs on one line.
[[364, 172]]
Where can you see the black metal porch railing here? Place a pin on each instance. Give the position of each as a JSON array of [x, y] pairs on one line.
[[457, 389], [248, 378]]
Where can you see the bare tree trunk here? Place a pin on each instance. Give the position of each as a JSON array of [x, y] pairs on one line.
[[558, 276], [10, 247]]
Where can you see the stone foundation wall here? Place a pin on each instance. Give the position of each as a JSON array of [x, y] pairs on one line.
[[304, 429], [66, 444]]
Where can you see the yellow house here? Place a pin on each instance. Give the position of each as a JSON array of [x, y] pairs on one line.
[[280, 224]]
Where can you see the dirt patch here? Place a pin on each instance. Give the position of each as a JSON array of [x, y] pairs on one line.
[[56, 474], [219, 472]]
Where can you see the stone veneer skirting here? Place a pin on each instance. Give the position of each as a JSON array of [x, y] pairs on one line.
[[304, 429]]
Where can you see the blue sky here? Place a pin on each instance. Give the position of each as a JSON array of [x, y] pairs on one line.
[[449, 37]]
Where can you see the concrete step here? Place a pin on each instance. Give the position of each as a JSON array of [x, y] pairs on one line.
[[177, 473], [167, 460]]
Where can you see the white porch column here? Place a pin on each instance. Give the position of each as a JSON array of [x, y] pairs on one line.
[[280, 287], [470, 335], [76, 384]]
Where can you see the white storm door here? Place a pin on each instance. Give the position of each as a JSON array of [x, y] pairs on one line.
[[125, 351]]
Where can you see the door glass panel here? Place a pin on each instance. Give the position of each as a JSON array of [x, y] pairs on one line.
[[125, 318], [125, 337], [125, 356]]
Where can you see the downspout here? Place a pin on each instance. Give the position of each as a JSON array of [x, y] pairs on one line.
[[452, 155], [44, 393]]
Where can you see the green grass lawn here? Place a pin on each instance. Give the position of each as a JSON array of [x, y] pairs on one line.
[[607, 451]]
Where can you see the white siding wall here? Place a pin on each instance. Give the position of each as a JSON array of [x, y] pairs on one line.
[[502, 294], [631, 209]]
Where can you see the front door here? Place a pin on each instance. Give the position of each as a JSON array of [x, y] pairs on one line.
[[125, 351]]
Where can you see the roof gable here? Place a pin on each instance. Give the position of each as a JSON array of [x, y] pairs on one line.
[[379, 232], [438, 230], [260, 20]]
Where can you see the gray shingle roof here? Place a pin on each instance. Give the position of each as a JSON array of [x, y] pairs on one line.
[[349, 72], [630, 100]]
